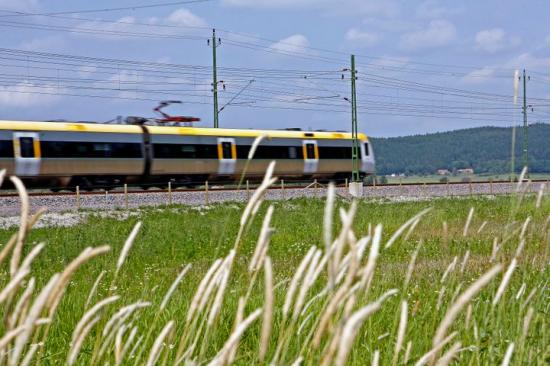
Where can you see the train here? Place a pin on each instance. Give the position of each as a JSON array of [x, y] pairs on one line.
[[63, 155]]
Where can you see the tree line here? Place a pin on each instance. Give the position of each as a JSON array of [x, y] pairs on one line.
[[485, 149]]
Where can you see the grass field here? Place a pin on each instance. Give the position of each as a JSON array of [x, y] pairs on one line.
[[329, 319], [434, 178]]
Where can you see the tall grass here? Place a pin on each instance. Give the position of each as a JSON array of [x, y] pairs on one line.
[[339, 303]]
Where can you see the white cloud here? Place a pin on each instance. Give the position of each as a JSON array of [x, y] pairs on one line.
[[107, 30], [496, 39], [438, 33], [19, 5], [184, 17], [360, 38], [292, 44], [25, 95], [432, 9], [270, 3], [44, 44], [479, 76], [130, 24], [86, 71], [528, 61], [389, 25], [338, 7], [392, 66]]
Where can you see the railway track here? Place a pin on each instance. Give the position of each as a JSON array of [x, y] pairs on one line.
[[118, 199], [220, 188]]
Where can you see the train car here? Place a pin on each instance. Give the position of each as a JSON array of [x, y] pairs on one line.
[[64, 155]]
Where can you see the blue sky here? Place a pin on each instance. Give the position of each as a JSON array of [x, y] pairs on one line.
[[423, 66]]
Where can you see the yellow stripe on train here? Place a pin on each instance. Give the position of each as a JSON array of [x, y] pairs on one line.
[[169, 130]]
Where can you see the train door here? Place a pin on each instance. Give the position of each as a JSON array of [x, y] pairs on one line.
[[227, 155], [311, 156], [26, 149], [367, 158]]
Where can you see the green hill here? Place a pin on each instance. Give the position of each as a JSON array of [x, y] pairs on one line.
[[485, 149]]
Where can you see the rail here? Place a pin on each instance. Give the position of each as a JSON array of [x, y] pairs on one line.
[[232, 186]]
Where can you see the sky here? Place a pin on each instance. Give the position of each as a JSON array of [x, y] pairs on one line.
[[422, 66]]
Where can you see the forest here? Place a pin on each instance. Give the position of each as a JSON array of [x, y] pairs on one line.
[[485, 149]]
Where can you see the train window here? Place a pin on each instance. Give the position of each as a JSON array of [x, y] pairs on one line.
[[102, 147], [189, 151], [102, 150], [226, 150], [366, 149], [334, 152], [26, 146], [82, 149], [310, 151], [292, 152], [243, 150], [6, 149]]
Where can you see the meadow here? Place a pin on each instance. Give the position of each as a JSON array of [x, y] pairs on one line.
[[305, 281]]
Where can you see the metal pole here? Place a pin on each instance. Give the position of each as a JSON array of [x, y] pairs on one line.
[[513, 158], [125, 195], [346, 184], [525, 125], [77, 197], [247, 190], [206, 192], [215, 79], [170, 193], [316, 187], [355, 143], [283, 188], [491, 185]]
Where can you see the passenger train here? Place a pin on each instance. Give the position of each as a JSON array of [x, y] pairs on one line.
[[64, 155]]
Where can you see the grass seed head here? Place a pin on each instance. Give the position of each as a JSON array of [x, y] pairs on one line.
[[450, 355], [468, 221], [157, 345], [77, 343], [127, 246], [173, 287], [23, 225], [508, 355], [268, 309], [505, 281], [400, 332], [462, 301]]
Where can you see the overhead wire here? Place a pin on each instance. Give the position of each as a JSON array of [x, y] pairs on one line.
[[104, 10]]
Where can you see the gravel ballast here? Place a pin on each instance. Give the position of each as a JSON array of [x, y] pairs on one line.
[[10, 206]]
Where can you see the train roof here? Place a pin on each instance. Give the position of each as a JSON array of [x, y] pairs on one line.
[[168, 130]]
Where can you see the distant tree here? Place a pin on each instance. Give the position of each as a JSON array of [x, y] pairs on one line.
[[443, 180], [485, 149]]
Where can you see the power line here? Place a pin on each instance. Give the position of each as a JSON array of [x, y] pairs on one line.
[[104, 10], [293, 52]]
